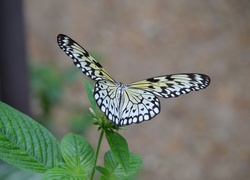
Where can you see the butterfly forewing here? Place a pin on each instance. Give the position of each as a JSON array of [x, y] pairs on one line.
[[173, 85], [82, 59]]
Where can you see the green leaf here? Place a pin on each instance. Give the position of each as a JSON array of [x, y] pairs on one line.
[[77, 153], [115, 169], [89, 90], [103, 178], [102, 170], [25, 143], [119, 147], [59, 173]]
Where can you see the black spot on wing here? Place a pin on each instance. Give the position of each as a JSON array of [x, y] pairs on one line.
[[153, 80]]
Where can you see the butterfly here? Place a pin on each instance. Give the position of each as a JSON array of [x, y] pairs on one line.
[[124, 104]]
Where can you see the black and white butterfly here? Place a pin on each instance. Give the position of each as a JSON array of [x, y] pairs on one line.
[[124, 104]]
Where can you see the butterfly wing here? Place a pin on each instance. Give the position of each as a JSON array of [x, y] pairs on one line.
[[131, 106], [106, 96], [138, 106], [173, 85], [82, 59]]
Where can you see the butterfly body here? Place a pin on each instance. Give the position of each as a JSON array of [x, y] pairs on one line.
[[124, 104]]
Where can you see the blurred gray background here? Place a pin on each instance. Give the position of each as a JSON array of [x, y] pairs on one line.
[[203, 135]]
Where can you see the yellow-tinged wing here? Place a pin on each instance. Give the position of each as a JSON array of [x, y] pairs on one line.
[[173, 85], [82, 59]]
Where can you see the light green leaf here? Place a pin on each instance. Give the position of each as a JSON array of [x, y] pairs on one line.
[[115, 169], [77, 153], [59, 173], [119, 147], [25, 143]]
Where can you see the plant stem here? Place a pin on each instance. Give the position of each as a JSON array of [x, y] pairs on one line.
[[96, 154]]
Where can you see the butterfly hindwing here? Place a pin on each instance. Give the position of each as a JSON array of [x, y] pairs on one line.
[[130, 106], [173, 85], [138, 106], [82, 59], [105, 94]]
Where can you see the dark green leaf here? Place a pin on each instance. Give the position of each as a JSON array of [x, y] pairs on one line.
[[119, 147], [25, 143], [103, 178], [102, 170]]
